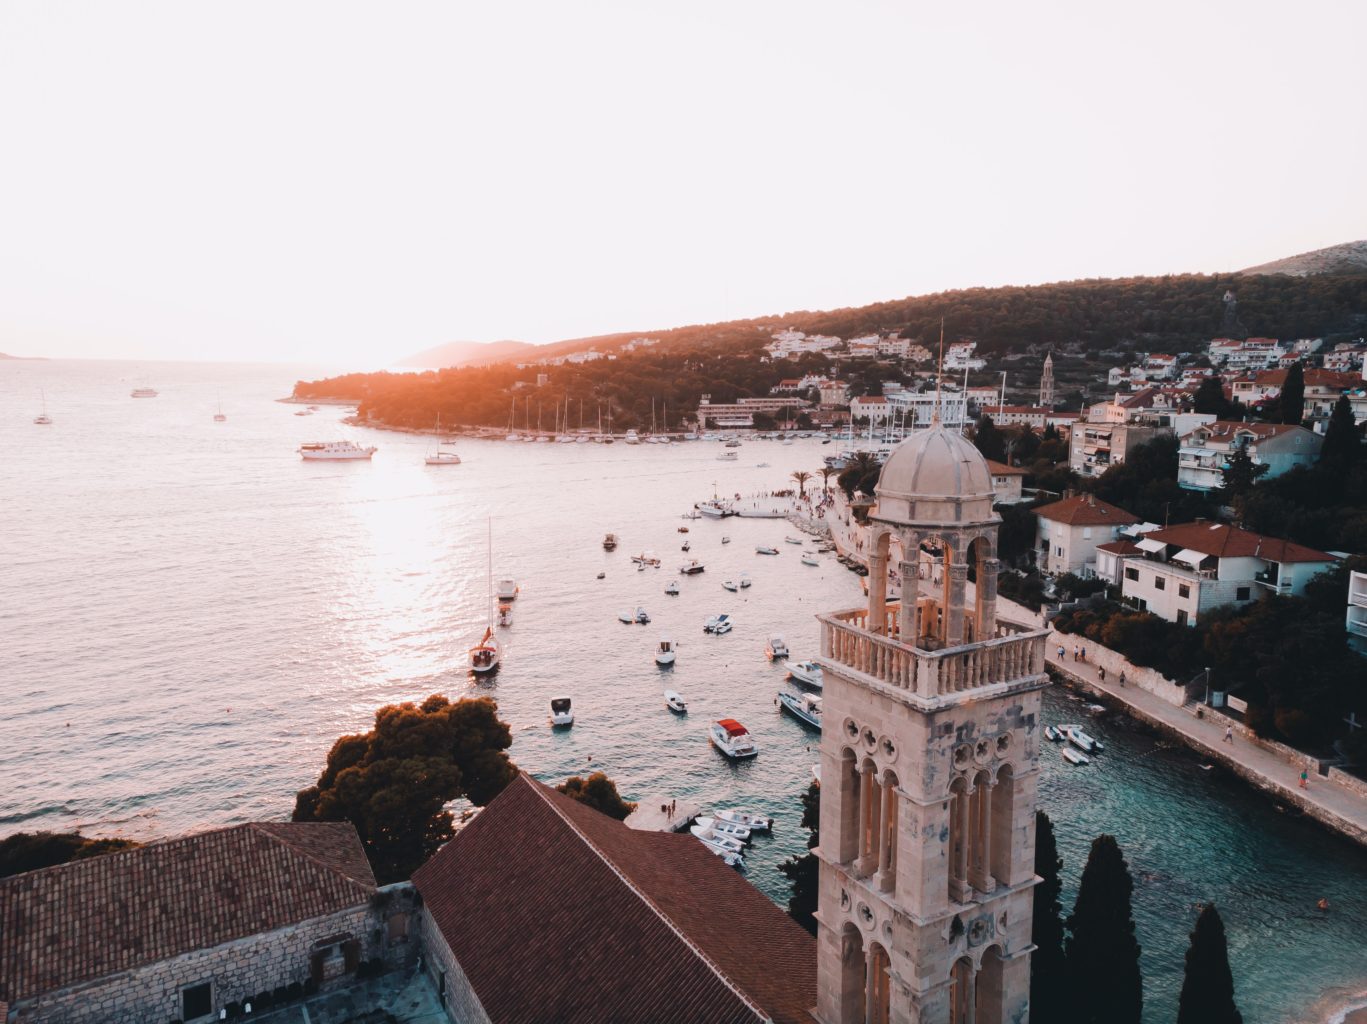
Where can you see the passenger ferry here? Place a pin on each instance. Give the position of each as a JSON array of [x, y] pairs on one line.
[[335, 451]]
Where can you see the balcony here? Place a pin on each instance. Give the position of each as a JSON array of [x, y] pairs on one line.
[[1271, 579], [1015, 655]]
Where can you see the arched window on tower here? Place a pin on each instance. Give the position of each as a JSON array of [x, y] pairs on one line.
[[879, 998], [987, 987], [1003, 806], [958, 839], [961, 992], [887, 847]]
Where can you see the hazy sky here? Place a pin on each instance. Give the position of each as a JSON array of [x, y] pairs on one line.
[[353, 182]]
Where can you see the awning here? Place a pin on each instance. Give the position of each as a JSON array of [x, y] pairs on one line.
[[1148, 544], [1191, 557]]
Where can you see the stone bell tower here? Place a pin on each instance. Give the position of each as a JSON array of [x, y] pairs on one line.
[[929, 762]]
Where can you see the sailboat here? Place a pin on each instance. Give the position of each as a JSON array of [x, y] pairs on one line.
[[43, 419], [442, 457], [484, 656], [218, 416]]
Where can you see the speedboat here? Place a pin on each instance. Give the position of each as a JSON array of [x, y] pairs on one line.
[[675, 702], [561, 711], [726, 540], [143, 393], [777, 647], [687, 546], [1052, 733], [808, 673], [726, 842], [691, 568], [765, 549], [626, 616], [1075, 735], [484, 656], [717, 625], [734, 860], [741, 833], [809, 560], [730, 585], [507, 590], [610, 542], [727, 457], [672, 588], [744, 580], [505, 614], [806, 707], [641, 617], [646, 558], [1075, 757], [335, 451], [714, 508], [732, 739], [740, 816], [792, 540], [664, 654]]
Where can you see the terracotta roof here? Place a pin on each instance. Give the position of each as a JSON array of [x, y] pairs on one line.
[[1224, 430], [79, 921], [1120, 547], [557, 912], [1001, 469], [1019, 409], [1224, 541], [1085, 510]]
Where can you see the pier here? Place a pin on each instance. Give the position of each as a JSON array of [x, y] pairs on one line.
[[657, 813]]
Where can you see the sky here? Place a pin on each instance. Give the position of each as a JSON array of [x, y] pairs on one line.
[[352, 182]]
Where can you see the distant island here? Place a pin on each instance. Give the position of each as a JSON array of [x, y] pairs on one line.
[[6, 355]]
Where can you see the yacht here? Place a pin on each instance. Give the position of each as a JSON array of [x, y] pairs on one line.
[[740, 833], [806, 707], [726, 842], [505, 615], [808, 673], [664, 654], [1075, 735], [562, 711], [672, 588], [675, 702], [485, 655], [143, 393], [732, 739], [776, 648], [765, 549], [740, 816], [715, 508], [507, 590], [610, 542], [733, 860], [335, 451], [632, 438], [43, 419], [691, 568]]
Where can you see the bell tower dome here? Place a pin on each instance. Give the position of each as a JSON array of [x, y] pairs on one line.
[[929, 760]]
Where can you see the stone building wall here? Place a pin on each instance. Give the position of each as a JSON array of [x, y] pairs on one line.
[[458, 996]]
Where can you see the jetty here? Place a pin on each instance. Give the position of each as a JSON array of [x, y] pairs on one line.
[[657, 813]]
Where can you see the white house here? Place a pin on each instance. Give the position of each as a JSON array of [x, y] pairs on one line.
[[1205, 451], [1070, 531], [1193, 568], [1006, 482], [1357, 611]]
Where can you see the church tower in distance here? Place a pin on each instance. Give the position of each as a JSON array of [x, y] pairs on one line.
[[929, 763], [1046, 382]]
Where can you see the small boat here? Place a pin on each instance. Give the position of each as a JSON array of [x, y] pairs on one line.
[[507, 590], [730, 585], [725, 842], [304, 412], [727, 457], [484, 656], [562, 713], [646, 558], [665, 653], [610, 542], [809, 560], [1075, 757], [732, 739], [777, 647], [672, 588], [733, 443], [1052, 734], [218, 416], [687, 546], [740, 816], [693, 514], [675, 702], [632, 437], [765, 549], [143, 393], [43, 419], [1075, 735], [600, 576], [726, 540], [744, 580], [734, 860], [740, 833], [342, 451], [691, 568], [808, 673], [641, 617], [442, 457], [717, 625], [792, 540], [806, 707], [505, 615]]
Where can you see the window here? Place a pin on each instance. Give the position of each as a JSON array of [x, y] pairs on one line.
[[196, 1001], [1044, 543], [1132, 574], [1086, 533], [1159, 583], [1241, 594], [1183, 590], [1059, 552], [1181, 616]]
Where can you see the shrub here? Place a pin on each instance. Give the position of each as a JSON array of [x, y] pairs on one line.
[[1259, 719], [1294, 724]]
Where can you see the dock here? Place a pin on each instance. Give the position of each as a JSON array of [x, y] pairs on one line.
[[654, 814]]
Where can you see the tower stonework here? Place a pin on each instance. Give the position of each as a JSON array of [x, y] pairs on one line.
[[929, 763], [1046, 382]]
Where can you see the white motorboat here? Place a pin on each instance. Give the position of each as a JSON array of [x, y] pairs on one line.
[[792, 540], [485, 655], [672, 588], [505, 615], [808, 673], [744, 580], [715, 508], [733, 443], [733, 860], [338, 451], [646, 558], [809, 560], [628, 617], [632, 437], [732, 739], [730, 585], [665, 653], [740, 816], [1052, 733], [675, 702], [1075, 756], [562, 711], [641, 617], [717, 624], [740, 833], [765, 549], [507, 590], [691, 568], [143, 393], [726, 540], [1075, 735], [727, 457], [777, 647], [806, 707], [717, 839], [686, 546]]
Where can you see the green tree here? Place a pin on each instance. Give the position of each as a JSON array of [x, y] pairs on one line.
[[989, 440], [29, 851], [826, 473], [763, 421], [1210, 398], [599, 792], [861, 473], [1342, 442], [1049, 997], [1103, 954], [802, 870], [1239, 475], [800, 477], [1291, 402], [1208, 986], [394, 782]]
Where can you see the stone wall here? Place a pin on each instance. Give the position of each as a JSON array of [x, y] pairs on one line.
[[1146, 679], [1348, 781], [458, 996]]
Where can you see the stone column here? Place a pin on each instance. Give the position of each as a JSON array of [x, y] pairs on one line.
[[908, 621], [988, 568], [878, 591], [956, 584], [887, 839], [872, 820], [981, 875]]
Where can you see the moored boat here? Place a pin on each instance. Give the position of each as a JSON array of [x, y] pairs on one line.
[[808, 673], [806, 707], [730, 585], [749, 819], [641, 617], [505, 615], [777, 647], [1052, 733], [508, 590], [744, 580], [610, 542], [717, 624], [809, 560], [731, 859], [646, 558], [666, 652], [562, 711], [726, 842], [672, 588], [143, 393], [335, 451], [1075, 756], [792, 540], [740, 833], [732, 739], [675, 702], [692, 568], [765, 549], [1075, 735]]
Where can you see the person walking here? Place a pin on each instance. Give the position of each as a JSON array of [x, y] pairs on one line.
[[1122, 677], [1304, 778], [1101, 672], [1062, 655], [1229, 734], [1084, 655], [1075, 652]]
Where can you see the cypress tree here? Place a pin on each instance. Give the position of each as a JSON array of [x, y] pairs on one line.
[[989, 440], [1208, 987], [1103, 954], [1292, 401], [1048, 969], [1342, 445]]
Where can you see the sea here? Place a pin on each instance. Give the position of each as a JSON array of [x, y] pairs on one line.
[[190, 615]]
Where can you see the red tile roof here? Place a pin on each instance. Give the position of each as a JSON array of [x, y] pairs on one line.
[[79, 921], [1225, 430], [1001, 469], [1224, 541], [557, 912], [1120, 547], [1085, 510]]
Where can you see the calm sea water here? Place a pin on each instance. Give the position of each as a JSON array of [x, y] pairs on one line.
[[190, 615]]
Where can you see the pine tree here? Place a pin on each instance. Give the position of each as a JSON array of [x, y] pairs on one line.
[[1048, 968], [1342, 445], [1103, 954], [1208, 987], [1292, 400], [803, 870]]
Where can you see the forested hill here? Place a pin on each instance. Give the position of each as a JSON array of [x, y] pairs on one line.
[[1174, 313]]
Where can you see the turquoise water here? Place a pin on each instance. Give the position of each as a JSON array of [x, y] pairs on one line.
[[192, 615]]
